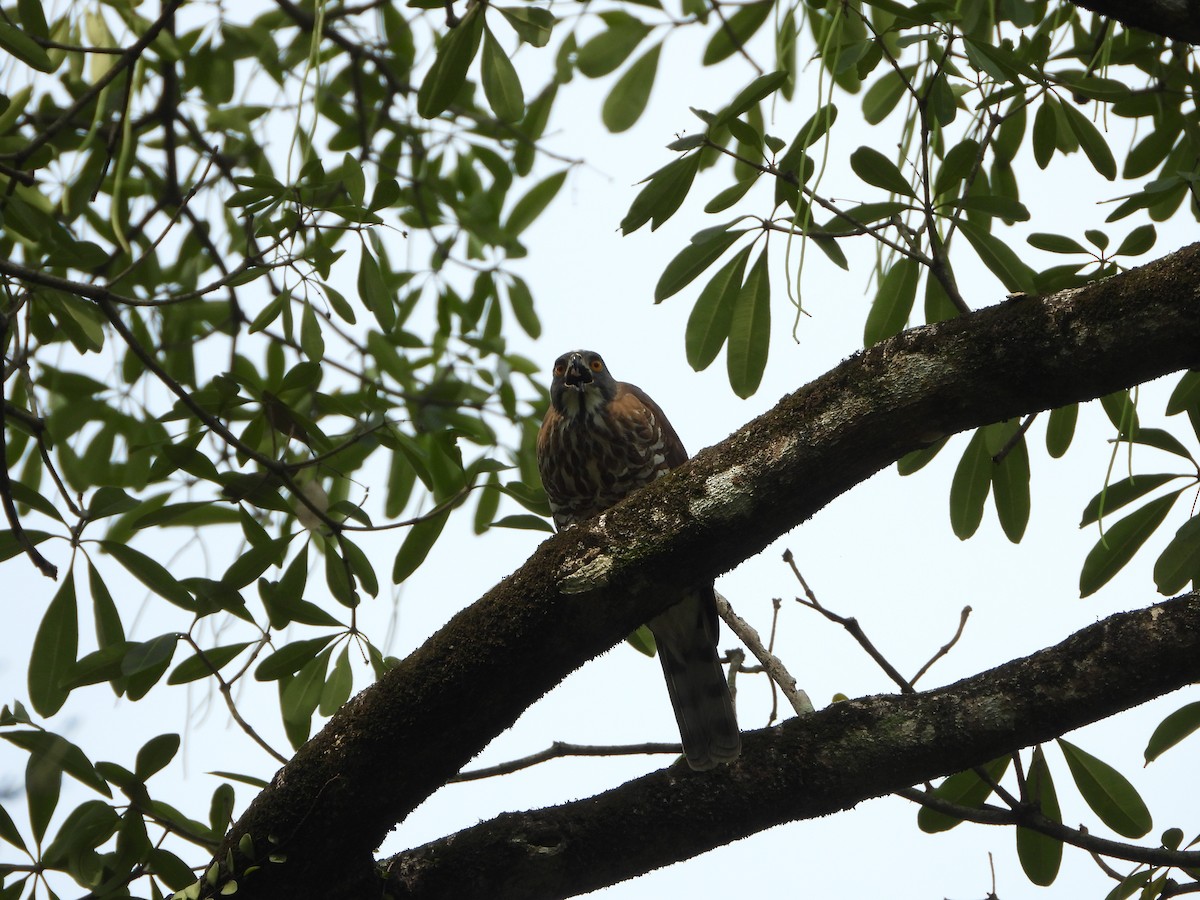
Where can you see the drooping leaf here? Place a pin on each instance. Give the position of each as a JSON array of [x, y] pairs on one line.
[[416, 546], [1060, 429], [627, 100], [1180, 724], [962, 789], [448, 73], [501, 84], [1092, 141], [526, 210], [1179, 563], [1121, 541], [1040, 854], [691, 261], [605, 52], [52, 657], [663, 194], [893, 302], [708, 325], [739, 28], [1109, 793], [750, 330], [1010, 490], [970, 486]]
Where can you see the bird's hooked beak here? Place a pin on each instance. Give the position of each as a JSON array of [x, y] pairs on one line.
[[578, 375]]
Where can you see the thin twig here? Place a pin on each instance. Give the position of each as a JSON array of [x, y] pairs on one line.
[[945, 648], [559, 750], [770, 663], [1015, 439], [851, 625]]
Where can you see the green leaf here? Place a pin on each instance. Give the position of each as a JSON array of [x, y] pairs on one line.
[[759, 88], [738, 29], [731, 195], [300, 698], [501, 85], [750, 330], [149, 572], [448, 73], [338, 686], [1060, 429], [251, 564], [144, 663], [1186, 395], [416, 546], [202, 665], [1040, 854], [60, 753], [893, 302], [970, 486], [524, 522], [627, 100], [1138, 241], [708, 325], [604, 53], [1055, 243], [52, 657], [1180, 724], [374, 293], [312, 342], [43, 786], [1045, 132], [1010, 491], [9, 832], [33, 17], [526, 210], [882, 96], [1179, 563], [1108, 793], [663, 194], [962, 789], [532, 24], [919, 459], [24, 48], [874, 168], [155, 754], [290, 658], [523, 308], [691, 261], [1004, 263], [1118, 545], [1092, 141], [1119, 493]]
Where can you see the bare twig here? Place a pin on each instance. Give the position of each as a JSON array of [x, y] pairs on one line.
[[774, 668], [559, 750], [945, 648], [851, 625], [1015, 439]]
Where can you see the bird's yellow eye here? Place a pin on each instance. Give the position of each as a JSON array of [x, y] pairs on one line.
[[597, 365]]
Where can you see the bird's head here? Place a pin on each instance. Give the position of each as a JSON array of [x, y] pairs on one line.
[[581, 383]]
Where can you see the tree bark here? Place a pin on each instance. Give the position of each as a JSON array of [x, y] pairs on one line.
[[1177, 19], [813, 766], [583, 590]]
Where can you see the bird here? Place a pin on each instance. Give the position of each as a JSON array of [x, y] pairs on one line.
[[600, 441]]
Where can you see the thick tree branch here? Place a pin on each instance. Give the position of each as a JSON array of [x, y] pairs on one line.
[[583, 590], [815, 765], [1178, 19]]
